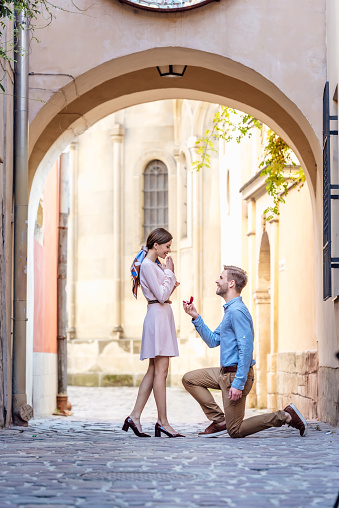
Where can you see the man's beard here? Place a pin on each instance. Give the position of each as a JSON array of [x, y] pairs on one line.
[[222, 292]]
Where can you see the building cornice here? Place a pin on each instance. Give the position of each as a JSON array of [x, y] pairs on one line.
[[255, 187]]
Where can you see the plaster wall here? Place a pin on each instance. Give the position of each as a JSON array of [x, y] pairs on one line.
[[45, 268], [231, 177], [297, 327], [100, 35], [44, 357], [94, 242], [296, 268], [291, 355]]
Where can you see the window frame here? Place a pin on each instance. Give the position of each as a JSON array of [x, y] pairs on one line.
[[155, 194]]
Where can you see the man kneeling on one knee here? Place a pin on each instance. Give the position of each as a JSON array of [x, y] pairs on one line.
[[235, 376]]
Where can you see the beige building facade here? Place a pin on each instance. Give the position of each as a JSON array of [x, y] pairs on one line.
[[281, 292], [132, 172]]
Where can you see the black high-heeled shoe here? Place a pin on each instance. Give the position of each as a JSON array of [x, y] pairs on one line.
[[129, 424], [159, 429]]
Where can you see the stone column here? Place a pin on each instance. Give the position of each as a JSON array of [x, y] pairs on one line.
[[274, 245], [251, 208], [197, 227], [176, 153], [62, 398], [272, 402], [252, 259], [262, 301], [117, 135]]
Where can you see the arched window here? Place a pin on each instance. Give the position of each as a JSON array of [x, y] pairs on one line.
[[155, 196]]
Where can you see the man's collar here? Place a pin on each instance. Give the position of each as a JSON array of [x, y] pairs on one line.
[[227, 304]]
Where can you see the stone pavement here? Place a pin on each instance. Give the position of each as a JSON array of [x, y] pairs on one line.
[[86, 460]]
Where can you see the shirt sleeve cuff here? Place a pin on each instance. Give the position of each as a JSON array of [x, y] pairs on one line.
[[237, 384], [197, 320]]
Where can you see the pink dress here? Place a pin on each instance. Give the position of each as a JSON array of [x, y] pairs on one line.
[[158, 336]]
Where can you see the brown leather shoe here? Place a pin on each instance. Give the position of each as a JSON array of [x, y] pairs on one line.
[[214, 430], [298, 421]]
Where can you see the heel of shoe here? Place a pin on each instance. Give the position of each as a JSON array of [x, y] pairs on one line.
[[125, 426], [157, 432]]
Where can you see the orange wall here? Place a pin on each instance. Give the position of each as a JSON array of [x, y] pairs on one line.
[[45, 270]]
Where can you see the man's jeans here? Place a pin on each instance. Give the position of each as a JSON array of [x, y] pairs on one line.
[[197, 383]]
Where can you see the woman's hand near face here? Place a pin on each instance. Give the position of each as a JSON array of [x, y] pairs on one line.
[[169, 264]]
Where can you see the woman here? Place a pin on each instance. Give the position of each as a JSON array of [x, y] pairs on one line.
[[159, 341]]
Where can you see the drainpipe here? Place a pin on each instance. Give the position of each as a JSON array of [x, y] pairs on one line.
[[21, 411], [62, 398]]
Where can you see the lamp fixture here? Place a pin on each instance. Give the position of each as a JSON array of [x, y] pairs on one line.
[[172, 71]]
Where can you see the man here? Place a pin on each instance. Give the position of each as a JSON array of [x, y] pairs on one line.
[[235, 377]]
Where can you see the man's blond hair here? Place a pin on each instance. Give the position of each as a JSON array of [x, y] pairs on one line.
[[238, 275]]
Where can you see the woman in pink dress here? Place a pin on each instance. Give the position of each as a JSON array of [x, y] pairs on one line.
[[159, 341]]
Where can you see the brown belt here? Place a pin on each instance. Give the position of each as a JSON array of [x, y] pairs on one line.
[[224, 370], [157, 301]]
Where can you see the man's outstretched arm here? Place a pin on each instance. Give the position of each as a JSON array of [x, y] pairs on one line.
[[212, 339]]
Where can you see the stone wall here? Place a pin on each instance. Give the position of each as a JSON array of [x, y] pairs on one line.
[[328, 408], [115, 362], [295, 380]]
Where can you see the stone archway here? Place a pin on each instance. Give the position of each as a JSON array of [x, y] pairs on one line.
[[133, 80], [209, 77]]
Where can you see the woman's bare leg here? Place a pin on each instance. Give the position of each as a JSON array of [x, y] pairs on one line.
[[161, 364], [144, 392]]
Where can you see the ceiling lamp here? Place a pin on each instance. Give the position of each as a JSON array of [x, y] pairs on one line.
[[172, 71]]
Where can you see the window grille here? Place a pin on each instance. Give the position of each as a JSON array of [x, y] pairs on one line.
[[155, 197]]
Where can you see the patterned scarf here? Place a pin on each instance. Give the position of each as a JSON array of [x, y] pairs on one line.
[[135, 269]]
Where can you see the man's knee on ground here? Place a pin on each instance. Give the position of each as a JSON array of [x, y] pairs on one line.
[[234, 433]]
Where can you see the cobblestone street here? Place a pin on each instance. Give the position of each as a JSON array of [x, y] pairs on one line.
[[86, 460]]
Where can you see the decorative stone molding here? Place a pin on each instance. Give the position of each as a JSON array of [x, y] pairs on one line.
[[261, 297], [151, 155], [177, 153], [192, 146], [118, 133]]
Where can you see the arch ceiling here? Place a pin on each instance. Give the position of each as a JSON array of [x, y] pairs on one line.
[[134, 79]]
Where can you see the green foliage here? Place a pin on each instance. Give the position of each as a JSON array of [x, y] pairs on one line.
[[229, 124], [277, 156], [223, 128], [30, 9]]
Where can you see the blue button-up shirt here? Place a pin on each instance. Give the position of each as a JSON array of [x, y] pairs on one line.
[[235, 336]]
